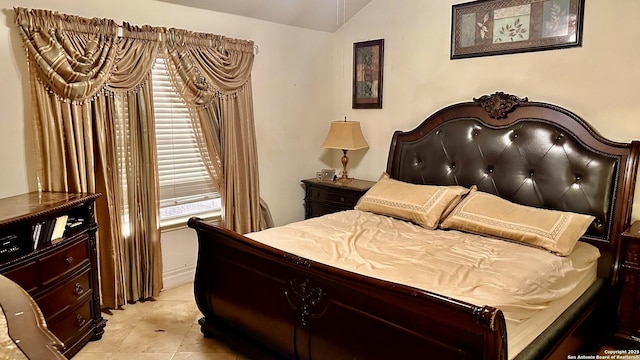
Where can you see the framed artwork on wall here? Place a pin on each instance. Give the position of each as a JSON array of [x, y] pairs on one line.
[[495, 27], [367, 74]]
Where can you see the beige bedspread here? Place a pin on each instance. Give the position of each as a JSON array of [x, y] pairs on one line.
[[517, 279]]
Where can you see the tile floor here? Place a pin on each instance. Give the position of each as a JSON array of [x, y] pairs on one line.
[[163, 329]]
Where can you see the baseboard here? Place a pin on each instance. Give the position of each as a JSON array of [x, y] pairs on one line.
[[177, 277]]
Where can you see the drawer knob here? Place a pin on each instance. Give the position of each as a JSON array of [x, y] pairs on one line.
[[77, 289], [80, 320], [69, 260]]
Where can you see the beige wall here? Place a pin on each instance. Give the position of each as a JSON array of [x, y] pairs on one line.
[[598, 81], [302, 81]]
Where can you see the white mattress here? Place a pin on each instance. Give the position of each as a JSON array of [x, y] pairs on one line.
[[531, 286]]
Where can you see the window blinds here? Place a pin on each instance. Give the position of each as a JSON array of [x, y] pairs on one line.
[[184, 181]]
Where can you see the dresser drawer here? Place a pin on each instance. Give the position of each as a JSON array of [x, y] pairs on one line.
[[64, 261], [26, 275], [73, 324], [66, 296]]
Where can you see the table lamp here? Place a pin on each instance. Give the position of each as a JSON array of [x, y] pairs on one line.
[[345, 135]]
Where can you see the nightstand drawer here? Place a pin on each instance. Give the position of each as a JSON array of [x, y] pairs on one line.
[[334, 196], [629, 306], [319, 209], [323, 198], [632, 251], [628, 299]]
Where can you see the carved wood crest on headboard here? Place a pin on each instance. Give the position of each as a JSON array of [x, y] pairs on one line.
[[498, 105]]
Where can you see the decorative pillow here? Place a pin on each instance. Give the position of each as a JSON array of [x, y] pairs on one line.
[[421, 204], [488, 214]]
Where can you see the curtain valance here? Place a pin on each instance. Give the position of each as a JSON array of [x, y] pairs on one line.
[[207, 66], [71, 56], [76, 58]]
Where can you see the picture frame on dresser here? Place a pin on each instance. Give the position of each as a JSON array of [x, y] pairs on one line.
[[327, 174]]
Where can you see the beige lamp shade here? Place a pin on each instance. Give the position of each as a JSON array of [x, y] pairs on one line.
[[345, 135]]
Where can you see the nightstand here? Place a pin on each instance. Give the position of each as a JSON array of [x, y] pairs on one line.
[[325, 197], [629, 307]]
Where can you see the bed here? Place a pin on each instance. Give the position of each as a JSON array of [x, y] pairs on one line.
[[289, 304]]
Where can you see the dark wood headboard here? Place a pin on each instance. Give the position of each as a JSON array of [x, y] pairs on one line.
[[531, 153]]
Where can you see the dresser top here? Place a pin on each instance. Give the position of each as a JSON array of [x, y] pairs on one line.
[[20, 207]]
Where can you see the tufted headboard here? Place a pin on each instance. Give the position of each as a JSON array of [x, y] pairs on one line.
[[531, 153]]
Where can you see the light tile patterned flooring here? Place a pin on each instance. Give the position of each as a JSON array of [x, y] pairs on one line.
[[164, 329]]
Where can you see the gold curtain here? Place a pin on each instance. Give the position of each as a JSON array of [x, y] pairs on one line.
[[213, 75], [93, 118], [131, 103]]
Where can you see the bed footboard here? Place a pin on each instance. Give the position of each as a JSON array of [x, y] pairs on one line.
[[285, 306]]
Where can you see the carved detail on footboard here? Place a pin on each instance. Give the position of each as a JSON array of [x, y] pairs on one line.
[[487, 316], [304, 298], [297, 260], [499, 104]]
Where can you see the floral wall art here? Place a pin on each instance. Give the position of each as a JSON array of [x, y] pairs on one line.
[[482, 28]]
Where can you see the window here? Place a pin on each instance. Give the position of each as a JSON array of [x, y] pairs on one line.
[[185, 186]]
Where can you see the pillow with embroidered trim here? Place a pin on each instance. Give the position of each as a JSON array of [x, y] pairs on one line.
[[487, 214], [421, 204]]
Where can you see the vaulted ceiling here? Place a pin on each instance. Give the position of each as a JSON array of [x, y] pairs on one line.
[[322, 15]]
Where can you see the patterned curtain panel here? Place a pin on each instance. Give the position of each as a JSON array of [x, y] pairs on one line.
[[213, 75], [93, 117]]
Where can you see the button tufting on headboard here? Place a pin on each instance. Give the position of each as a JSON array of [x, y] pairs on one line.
[[536, 170], [533, 153]]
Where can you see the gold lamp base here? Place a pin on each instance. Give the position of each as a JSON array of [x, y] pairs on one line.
[[344, 179]]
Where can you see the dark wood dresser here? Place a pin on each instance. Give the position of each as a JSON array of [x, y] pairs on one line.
[[629, 307], [325, 197], [59, 273]]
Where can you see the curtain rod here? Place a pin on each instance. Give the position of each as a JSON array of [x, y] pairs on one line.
[[120, 35]]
